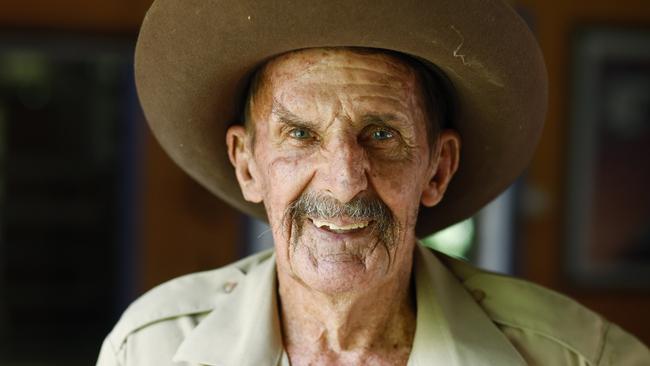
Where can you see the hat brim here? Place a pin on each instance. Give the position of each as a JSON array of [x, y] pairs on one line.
[[194, 57]]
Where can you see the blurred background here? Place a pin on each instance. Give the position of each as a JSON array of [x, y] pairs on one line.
[[93, 213]]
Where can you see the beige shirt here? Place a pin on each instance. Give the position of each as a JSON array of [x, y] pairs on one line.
[[465, 316]]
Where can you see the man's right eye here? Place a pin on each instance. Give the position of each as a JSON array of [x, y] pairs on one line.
[[300, 134]]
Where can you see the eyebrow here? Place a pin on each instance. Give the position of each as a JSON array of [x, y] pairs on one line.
[[287, 117], [379, 119]]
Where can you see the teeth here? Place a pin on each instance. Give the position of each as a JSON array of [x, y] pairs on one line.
[[332, 226]]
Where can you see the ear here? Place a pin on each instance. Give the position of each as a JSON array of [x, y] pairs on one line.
[[444, 163], [241, 157]]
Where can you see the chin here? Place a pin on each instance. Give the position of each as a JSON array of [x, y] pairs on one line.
[[338, 273]]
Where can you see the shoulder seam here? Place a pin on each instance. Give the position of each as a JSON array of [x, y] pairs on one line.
[[600, 325], [601, 348], [110, 344], [115, 352], [188, 295]]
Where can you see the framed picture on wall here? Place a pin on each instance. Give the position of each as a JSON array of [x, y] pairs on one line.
[[608, 195]]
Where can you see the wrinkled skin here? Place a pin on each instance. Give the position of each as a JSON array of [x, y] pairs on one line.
[[343, 125]]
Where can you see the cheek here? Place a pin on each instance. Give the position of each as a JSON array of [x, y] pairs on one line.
[[287, 176], [399, 185]]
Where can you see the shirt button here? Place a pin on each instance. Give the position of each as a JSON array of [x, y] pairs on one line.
[[229, 286], [478, 295]]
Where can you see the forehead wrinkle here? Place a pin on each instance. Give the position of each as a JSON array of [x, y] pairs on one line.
[[383, 60], [354, 92], [400, 77], [386, 66], [392, 100], [351, 79], [325, 81], [387, 102]]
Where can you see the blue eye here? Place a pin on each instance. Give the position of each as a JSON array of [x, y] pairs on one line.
[[300, 134], [381, 135]]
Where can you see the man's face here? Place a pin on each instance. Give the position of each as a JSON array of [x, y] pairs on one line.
[[341, 160]]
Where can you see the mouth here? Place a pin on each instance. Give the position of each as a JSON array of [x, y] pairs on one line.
[[341, 227]]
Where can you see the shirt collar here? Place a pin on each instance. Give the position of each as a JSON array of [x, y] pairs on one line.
[[244, 328], [452, 329]]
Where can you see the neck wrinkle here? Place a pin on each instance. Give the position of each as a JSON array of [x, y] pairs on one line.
[[376, 321]]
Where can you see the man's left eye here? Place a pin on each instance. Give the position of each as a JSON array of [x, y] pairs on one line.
[[300, 134], [382, 134]]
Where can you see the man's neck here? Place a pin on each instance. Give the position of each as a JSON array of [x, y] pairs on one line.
[[375, 326]]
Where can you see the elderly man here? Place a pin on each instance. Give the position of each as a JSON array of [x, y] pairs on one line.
[[346, 141]]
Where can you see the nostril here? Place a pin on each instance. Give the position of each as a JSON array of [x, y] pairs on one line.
[[344, 171]]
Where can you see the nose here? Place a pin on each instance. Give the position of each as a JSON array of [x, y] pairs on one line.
[[344, 169]]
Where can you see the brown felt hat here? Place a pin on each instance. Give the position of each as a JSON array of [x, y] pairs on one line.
[[194, 59]]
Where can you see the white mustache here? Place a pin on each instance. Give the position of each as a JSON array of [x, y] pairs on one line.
[[322, 207], [317, 206]]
